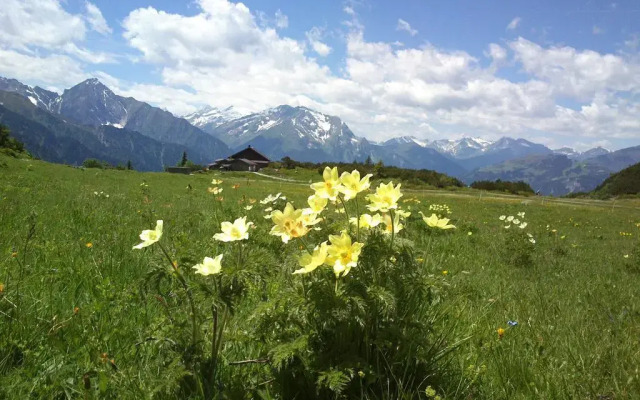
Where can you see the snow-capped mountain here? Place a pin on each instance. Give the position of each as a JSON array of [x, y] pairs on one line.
[[37, 96], [581, 156], [298, 132], [405, 140], [466, 147], [209, 118], [94, 104]]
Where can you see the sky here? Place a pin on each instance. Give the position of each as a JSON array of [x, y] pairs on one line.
[[560, 73]]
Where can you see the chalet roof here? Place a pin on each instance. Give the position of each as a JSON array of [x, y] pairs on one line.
[[250, 149]]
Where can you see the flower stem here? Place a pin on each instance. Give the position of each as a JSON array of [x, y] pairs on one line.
[[183, 282]]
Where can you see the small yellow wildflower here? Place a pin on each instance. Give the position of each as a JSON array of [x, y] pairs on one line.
[[237, 185], [385, 198], [150, 236], [231, 232], [216, 182], [330, 187], [309, 262], [367, 221], [395, 228], [434, 222], [76, 310], [352, 184], [1, 288], [14, 254], [500, 333], [317, 203], [445, 272], [215, 190], [288, 223], [89, 245], [209, 266], [342, 254]]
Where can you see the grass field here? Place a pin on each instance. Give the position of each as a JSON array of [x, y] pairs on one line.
[[83, 315]]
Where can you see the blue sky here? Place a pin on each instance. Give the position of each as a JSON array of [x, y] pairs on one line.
[[563, 73]]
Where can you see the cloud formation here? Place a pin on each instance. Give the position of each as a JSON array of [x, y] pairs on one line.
[[406, 27], [226, 54], [514, 23]]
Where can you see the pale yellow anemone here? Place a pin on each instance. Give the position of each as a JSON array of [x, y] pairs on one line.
[[351, 184], [330, 187], [342, 255], [150, 236], [317, 203], [209, 266], [309, 262], [385, 198], [397, 224], [434, 222], [288, 223], [239, 230], [367, 221]]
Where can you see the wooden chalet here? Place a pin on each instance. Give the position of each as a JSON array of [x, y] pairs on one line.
[[248, 159]]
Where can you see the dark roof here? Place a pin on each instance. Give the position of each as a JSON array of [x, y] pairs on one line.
[[247, 152]]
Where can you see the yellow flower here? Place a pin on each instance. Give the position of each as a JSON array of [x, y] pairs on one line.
[[239, 230], [396, 227], [89, 245], [14, 254], [317, 203], [237, 185], [309, 217], [214, 190], [500, 333], [367, 221], [330, 188], [385, 198], [445, 272], [434, 222], [209, 266], [342, 255], [1, 288], [288, 223], [352, 184], [149, 236], [220, 198], [216, 182], [310, 262], [252, 201]]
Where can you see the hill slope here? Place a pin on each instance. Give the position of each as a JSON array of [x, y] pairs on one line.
[[626, 181]]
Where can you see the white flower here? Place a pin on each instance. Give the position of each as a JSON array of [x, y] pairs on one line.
[[523, 225], [510, 218], [516, 221], [521, 214], [502, 217], [532, 240]]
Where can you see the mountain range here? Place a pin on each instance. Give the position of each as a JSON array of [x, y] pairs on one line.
[[91, 121]]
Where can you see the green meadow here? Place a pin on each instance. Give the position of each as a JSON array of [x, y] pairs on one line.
[[475, 312]]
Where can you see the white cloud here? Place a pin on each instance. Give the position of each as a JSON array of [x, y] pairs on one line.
[[514, 23], [314, 36], [405, 26], [224, 56], [42, 23], [59, 70], [579, 74], [282, 21], [96, 20]]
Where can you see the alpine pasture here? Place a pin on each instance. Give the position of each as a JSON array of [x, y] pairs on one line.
[[486, 297]]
